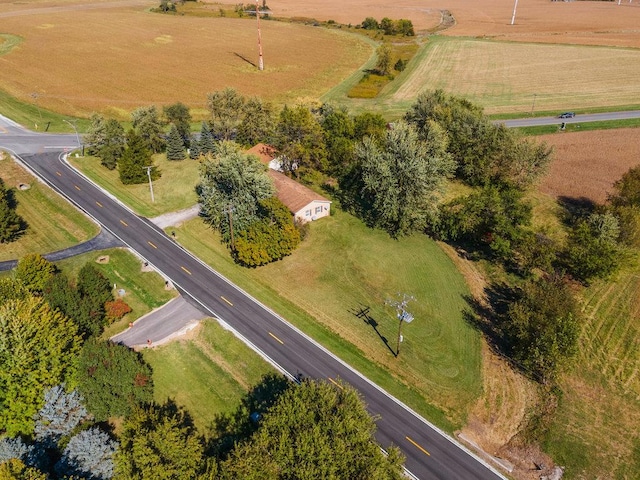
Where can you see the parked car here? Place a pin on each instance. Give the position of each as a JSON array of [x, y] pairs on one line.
[[567, 115]]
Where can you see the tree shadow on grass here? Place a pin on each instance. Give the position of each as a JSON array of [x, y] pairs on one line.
[[363, 312]]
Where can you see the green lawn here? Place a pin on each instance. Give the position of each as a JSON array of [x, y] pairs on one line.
[[175, 189], [208, 374], [53, 224], [343, 267], [144, 290]]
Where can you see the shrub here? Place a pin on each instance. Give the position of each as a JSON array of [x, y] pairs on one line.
[[116, 309]]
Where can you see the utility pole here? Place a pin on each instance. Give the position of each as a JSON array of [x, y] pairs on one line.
[[150, 182], [73, 125], [403, 315], [260, 61], [513, 17]]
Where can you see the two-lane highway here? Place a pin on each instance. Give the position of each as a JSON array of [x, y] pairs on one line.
[[430, 454]]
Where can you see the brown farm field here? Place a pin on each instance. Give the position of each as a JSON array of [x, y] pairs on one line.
[[113, 60]]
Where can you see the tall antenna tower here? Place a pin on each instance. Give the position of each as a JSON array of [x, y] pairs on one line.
[[260, 60]]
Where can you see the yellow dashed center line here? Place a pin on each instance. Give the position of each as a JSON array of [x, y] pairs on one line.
[[151, 244], [186, 270], [336, 383], [124, 223], [99, 204], [77, 187], [226, 300], [418, 446], [276, 338]]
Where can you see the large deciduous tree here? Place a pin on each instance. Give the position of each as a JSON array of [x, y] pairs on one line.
[[38, 347], [231, 185], [257, 124], [159, 443], [402, 178], [112, 379], [11, 224], [226, 108], [146, 122], [34, 272], [300, 140], [314, 430]]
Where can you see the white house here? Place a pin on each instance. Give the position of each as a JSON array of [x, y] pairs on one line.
[[305, 204]]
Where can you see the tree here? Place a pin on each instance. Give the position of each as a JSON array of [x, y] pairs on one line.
[[89, 454], [194, 150], [271, 238], [159, 443], [34, 271], [38, 347], [226, 108], [541, 326], [206, 144], [60, 414], [11, 224], [370, 23], [112, 379], [231, 185], [175, 145], [300, 140], [387, 26], [113, 145], [368, 124], [258, 123], [134, 160], [16, 448], [148, 126], [314, 430], [592, 248], [401, 179], [383, 65], [627, 189], [96, 134], [178, 114], [625, 205], [404, 27], [17, 470], [339, 129]]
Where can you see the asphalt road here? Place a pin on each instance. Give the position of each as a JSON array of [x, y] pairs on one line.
[[591, 117], [430, 453]]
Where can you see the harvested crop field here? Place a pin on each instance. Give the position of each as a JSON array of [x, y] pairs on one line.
[[583, 22], [587, 164], [116, 59], [504, 76]]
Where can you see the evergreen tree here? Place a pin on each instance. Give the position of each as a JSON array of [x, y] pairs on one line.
[[11, 224], [112, 379], [135, 159], [194, 150], [175, 145], [15, 448], [113, 145], [60, 414], [206, 144], [89, 455], [178, 114]]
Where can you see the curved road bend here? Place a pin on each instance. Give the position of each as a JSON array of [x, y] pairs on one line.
[[429, 453]]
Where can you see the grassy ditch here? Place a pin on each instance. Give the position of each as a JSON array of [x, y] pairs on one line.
[[53, 224], [174, 190], [344, 267]]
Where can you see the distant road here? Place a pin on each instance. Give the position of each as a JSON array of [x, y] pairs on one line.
[[591, 117]]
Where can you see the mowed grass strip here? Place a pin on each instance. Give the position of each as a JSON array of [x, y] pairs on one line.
[[144, 291], [344, 267], [115, 60], [208, 373], [174, 190], [53, 223]]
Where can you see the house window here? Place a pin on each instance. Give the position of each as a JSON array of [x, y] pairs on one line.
[[307, 213], [319, 209]]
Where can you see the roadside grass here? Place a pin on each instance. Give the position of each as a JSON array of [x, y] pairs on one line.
[[174, 190], [53, 224], [344, 267], [144, 291], [581, 127], [504, 76], [208, 373]]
